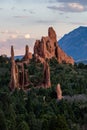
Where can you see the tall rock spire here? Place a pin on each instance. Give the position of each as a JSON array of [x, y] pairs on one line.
[[14, 71], [59, 92], [27, 55], [52, 34], [12, 54], [26, 52]]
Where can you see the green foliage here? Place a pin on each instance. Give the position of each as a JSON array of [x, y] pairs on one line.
[[2, 121], [72, 78], [58, 123], [8, 109], [38, 108], [4, 71], [23, 126], [35, 73]]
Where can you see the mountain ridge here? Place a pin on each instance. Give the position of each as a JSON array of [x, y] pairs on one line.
[[75, 43]]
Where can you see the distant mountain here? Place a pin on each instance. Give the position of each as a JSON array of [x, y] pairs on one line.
[[18, 57], [75, 44], [82, 61]]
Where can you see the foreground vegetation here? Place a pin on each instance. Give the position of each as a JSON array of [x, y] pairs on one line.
[[39, 109]]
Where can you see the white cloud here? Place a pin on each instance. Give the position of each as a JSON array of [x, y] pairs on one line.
[[14, 34], [27, 36], [7, 32]]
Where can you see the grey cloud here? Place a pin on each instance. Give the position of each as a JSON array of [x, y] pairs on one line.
[[31, 1], [1, 8], [84, 2], [67, 8], [67, 17], [46, 21], [13, 8], [25, 10], [21, 16], [30, 11], [61, 13], [78, 23]]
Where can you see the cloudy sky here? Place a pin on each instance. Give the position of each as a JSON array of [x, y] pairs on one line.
[[23, 21]]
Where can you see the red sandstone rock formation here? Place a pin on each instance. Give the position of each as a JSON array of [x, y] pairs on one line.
[[14, 72], [47, 47], [19, 75], [52, 34], [23, 75], [62, 57], [26, 77], [27, 55], [39, 59], [47, 82], [59, 92]]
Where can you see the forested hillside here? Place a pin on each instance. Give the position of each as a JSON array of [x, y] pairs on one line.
[[38, 108]]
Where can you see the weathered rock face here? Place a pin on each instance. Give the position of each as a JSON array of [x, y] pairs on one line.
[[47, 48], [23, 75], [19, 75], [59, 92], [27, 55], [47, 82]]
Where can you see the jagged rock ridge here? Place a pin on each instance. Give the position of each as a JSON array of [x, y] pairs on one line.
[[47, 48]]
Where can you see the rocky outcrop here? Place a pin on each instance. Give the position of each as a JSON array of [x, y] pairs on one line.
[[19, 74], [47, 48], [27, 55], [59, 92], [47, 82]]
